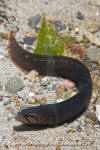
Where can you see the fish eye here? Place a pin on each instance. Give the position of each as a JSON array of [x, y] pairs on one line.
[[26, 117], [34, 116]]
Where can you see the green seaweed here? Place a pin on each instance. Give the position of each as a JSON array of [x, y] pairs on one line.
[[48, 43]]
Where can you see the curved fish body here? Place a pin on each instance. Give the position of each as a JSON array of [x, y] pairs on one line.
[[58, 66]]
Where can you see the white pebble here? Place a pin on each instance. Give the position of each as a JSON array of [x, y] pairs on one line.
[[1, 56], [98, 112], [59, 100], [31, 94], [25, 45], [45, 78], [77, 29]]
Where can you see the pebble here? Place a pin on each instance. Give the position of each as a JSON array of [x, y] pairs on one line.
[[21, 94], [12, 18], [88, 120], [78, 128], [29, 40], [72, 129], [29, 48], [79, 15], [92, 26], [45, 79], [9, 26], [59, 26], [33, 76], [68, 83], [6, 146], [1, 20], [44, 84], [98, 112], [31, 94], [92, 116], [31, 101], [2, 57], [14, 85], [3, 136], [93, 38], [15, 99], [10, 118], [59, 100], [94, 53], [6, 100], [33, 21]]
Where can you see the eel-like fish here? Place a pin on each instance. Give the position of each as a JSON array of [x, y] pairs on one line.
[[58, 66]]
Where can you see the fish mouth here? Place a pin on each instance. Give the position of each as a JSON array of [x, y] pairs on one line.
[[18, 116]]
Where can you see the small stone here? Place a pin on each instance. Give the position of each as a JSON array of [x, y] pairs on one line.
[[45, 79], [98, 112], [68, 83], [6, 100], [11, 109], [58, 147], [31, 101], [33, 76], [92, 116], [78, 128], [6, 146], [2, 57], [77, 30], [29, 40], [31, 94], [94, 53], [93, 38], [41, 101], [88, 120], [92, 26], [10, 119], [79, 15], [44, 83], [72, 129], [14, 85], [60, 26], [34, 21], [1, 20], [21, 94], [3, 136], [59, 100], [9, 26], [12, 18]]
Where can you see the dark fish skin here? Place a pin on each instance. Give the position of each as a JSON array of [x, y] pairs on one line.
[[58, 66]]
